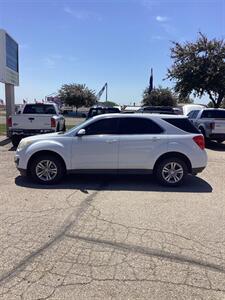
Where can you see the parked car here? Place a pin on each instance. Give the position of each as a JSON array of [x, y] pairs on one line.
[[35, 119], [100, 110], [211, 123], [157, 109], [187, 108], [168, 146]]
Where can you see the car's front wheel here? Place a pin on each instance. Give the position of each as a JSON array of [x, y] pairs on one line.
[[46, 169], [171, 171]]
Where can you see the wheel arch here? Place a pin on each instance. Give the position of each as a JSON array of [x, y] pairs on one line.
[[176, 155], [45, 152]]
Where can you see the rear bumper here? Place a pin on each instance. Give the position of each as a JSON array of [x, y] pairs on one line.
[[29, 132]]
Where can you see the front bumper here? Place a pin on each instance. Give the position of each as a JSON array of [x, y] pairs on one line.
[[23, 172]]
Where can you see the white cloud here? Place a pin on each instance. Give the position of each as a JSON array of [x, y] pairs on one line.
[[158, 37], [23, 46], [149, 4], [82, 15], [169, 29], [52, 60], [161, 19], [49, 62]]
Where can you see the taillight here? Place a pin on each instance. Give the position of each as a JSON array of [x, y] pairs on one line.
[[200, 141], [212, 125], [53, 122], [9, 121]]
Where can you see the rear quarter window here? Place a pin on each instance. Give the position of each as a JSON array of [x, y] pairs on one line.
[[183, 124]]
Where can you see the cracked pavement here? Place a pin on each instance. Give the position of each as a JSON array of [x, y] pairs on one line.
[[109, 237]]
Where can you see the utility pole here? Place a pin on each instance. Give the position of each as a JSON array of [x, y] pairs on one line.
[[106, 92]]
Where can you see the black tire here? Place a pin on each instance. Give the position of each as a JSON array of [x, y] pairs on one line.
[[15, 139], [160, 171], [64, 127], [56, 162]]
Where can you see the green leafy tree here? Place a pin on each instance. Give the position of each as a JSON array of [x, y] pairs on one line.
[[182, 99], [77, 95], [110, 103], [199, 67], [159, 97]]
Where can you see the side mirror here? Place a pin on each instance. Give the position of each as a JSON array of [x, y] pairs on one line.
[[81, 132]]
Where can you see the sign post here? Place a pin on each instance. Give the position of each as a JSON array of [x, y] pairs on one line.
[[9, 70]]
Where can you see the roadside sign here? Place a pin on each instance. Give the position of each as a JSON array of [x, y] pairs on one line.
[[9, 59]]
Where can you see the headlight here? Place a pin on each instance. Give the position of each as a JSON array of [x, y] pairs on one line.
[[23, 144]]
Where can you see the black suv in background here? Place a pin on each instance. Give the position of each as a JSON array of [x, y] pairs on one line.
[[100, 110], [157, 110]]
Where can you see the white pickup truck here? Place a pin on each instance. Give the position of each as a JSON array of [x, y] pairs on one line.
[[35, 119], [210, 121]]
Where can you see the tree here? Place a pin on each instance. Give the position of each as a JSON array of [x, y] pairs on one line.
[[77, 95], [110, 103], [159, 97], [182, 99], [199, 67]]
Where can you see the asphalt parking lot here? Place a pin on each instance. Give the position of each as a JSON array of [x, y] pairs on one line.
[[104, 237]]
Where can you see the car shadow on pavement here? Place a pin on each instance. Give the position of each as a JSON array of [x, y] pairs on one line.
[[145, 183], [215, 146]]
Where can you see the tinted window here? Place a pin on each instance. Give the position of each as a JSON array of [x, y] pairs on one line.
[[39, 109], [183, 124], [190, 114], [195, 113], [138, 126], [214, 114], [159, 110], [112, 110], [105, 126]]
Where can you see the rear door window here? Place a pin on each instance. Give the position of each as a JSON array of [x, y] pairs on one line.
[[183, 124], [138, 126]]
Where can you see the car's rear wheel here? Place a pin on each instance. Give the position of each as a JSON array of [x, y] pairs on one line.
[[171, 171], [46, 169]]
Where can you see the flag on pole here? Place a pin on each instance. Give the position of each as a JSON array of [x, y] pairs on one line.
[[101, 91], [150, 82]]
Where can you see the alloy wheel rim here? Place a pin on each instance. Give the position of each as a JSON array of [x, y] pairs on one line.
[[172, 172], [46, 170]]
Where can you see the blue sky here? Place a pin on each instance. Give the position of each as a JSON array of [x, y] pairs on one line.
[[94, 42]]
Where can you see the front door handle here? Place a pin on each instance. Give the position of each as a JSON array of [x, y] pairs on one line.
[[111, 141], [155, 139]]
